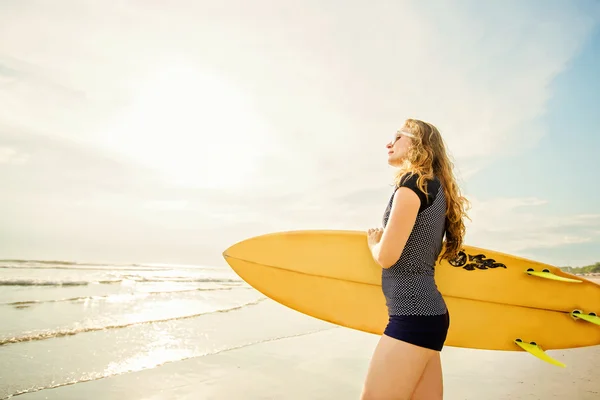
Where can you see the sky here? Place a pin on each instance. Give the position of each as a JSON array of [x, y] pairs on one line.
[[164, 132]]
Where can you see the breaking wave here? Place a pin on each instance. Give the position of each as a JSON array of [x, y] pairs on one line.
[[71, 332]]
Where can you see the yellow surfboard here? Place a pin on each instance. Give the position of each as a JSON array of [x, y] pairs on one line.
[[496, 301]]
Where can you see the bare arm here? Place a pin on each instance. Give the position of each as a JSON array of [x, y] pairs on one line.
[[403, 215]]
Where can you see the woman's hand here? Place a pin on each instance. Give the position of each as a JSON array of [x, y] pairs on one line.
[[374, 236]]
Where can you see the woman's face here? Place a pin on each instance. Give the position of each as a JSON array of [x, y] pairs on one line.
[[398, 147]]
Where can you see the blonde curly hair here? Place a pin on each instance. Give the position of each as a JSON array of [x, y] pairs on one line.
[[427, 157]]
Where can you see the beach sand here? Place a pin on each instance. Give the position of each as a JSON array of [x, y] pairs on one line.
[[330, 362]]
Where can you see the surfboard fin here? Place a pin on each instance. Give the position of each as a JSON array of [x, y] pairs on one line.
[[535, 349], [591, 317], [549, 275]]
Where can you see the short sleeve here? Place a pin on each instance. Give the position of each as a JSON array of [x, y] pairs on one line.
[[410, 181]]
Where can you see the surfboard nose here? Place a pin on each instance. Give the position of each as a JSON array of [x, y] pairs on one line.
[[228, 251], [254, 249], [240, 249]]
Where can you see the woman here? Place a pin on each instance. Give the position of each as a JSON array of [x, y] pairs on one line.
[[426, 206]]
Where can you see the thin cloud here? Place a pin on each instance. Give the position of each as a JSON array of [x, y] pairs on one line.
[[8, 155], [335, 92], [171, 122], [519, 225]]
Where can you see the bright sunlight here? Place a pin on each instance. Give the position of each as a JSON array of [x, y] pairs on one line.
[[191, 126]]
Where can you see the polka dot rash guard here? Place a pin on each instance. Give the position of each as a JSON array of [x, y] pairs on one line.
[[409, 286]]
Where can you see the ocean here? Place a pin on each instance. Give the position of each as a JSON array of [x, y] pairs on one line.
[[63, 323]]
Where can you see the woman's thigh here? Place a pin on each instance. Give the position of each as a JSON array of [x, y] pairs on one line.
[[395, 370], [431, 384]]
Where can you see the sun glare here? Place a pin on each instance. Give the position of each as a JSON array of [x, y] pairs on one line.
[[193, 127]]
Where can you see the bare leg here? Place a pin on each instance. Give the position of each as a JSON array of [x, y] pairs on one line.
[[395, 370], [431, 385]]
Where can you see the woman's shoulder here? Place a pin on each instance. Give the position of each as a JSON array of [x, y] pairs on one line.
[[429, 192], [411, 179]]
